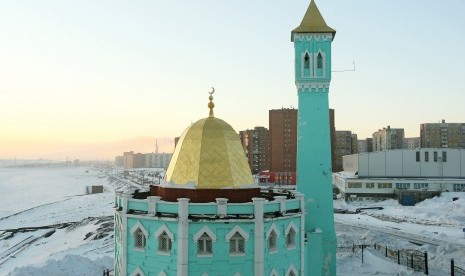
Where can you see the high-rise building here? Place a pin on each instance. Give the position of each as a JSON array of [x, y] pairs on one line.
[[256, 146], [411, 143], [346, 144], [283, 139], [388, 139], [365, 145], [442, 135]]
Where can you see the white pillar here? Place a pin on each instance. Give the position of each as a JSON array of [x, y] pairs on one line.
[[222, 207], [282, 203], [183, 233], [152, 205], [126, 198], [301, 197], [124, 222], [259, 234]]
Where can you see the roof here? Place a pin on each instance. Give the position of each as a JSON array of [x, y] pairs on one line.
[[313, 22], [209, 155]]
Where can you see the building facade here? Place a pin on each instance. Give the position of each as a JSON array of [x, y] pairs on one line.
[[381, 174], [411, 143], [442, 135], [388, 139], [346, 144], [283, 139], [256, 146], [133, 160], [365, 145]]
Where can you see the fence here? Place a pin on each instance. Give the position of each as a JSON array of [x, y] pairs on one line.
[[455, 270], [414, 259]]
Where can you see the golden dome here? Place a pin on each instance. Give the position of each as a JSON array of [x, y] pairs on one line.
[[209, 155]]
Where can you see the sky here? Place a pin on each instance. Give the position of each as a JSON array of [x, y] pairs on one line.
[[91, 79]]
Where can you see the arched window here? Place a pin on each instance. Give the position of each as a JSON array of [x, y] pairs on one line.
[[292, 271], [319, 61], [237, 244], [137, 272], [139, 239], [237, 238], [165, 240], [164, 243], [290, 238], [204, 245], [272, 241], [140, 236], [306, 61], [204, 239]]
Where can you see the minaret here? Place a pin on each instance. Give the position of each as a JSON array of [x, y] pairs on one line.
[[312, 43]]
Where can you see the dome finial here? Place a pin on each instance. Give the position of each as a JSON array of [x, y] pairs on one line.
[[211, 105]]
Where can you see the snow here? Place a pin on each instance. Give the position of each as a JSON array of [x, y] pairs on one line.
[[48, 196]]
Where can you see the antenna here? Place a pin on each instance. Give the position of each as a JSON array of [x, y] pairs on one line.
[[346, 70], [156, 145]]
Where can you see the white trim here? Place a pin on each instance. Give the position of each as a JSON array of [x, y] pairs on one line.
[[183, 236], [237, 274], [241, 231], [292, 269], [207, 230], [313, 36], [273, 227], [274, 272], [138, 270], [162, 273], [204, 274], [259, 229], [310, 85], [139, 225], [293, 226], [323, 57], [162, 229], [302, 65]]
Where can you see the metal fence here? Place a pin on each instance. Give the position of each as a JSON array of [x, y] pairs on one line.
[[455, 270], [416, 260]]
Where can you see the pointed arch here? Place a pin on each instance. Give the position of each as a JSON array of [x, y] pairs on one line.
[[137, 272], [272, 238], [140, 235], [306, 61], [291, 235], [274, 272], [319, 61], [204, 239], [165, 240], [238, 229], [162, 273], [292, 271]]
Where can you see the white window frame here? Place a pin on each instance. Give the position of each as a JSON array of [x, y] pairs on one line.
[[139, 227], [274, 272], [198, 235], [245, 236], [286, 233], [158, 235], [137, 271], [275, 230], [292, 269]]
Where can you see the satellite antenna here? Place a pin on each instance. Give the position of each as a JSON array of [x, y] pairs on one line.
[[346, 70]]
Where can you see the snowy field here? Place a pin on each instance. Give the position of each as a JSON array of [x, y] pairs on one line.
[[66, 232]]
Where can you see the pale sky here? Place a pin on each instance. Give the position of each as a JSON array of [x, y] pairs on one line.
[[91, 79]]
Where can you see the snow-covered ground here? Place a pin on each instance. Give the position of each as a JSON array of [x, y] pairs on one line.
[[47, 198]]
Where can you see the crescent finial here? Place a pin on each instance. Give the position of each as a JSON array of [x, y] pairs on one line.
[[211, 105], [213, 91]]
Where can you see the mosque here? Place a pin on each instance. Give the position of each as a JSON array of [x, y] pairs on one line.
[[210, 218]]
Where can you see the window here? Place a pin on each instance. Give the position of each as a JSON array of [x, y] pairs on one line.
[[204, 245], [290, 238], [403, 185], [426, 156], [237, 244], [272, 241], [164, 243], [139, 239], [139, 235], [319, 61], [435, 156], [459, 187], [444, 156], [420, 185], [165, 240], [354, 184], [370, 185], [306, 61], [384, 185], [137, 272], [418, 156]]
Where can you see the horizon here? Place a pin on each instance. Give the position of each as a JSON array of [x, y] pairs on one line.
[[89, 80]]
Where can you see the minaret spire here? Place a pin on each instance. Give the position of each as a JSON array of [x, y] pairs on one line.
[[211, 105]]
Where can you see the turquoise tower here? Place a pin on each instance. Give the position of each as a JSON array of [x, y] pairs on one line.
[[312, 42]]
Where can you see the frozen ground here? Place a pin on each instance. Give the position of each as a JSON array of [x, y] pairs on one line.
[[82, 243]]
